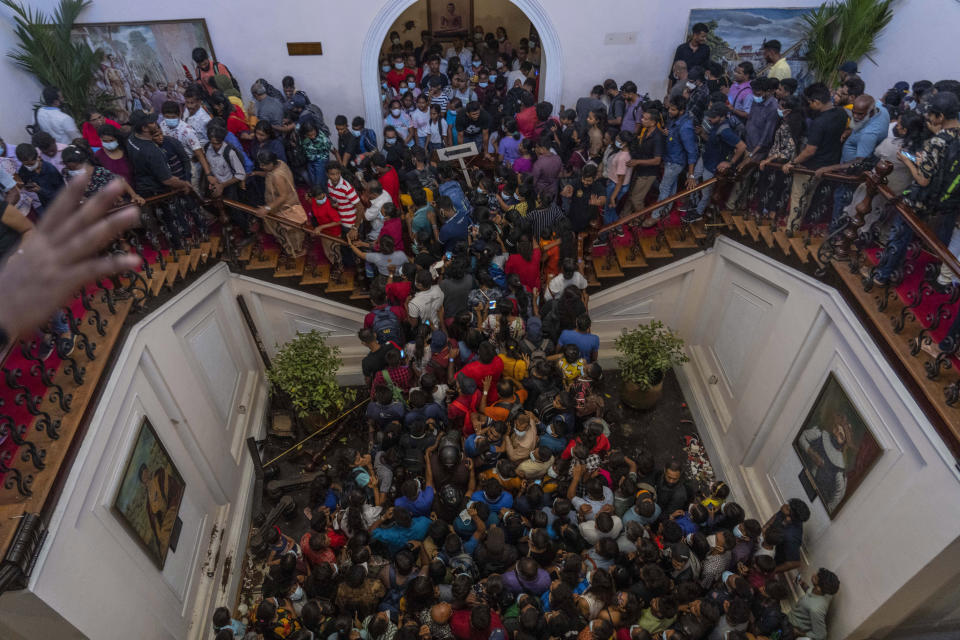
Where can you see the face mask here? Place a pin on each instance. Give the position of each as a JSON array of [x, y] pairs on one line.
[[552, 473], [493, 77], [385, 68], [712, 540], [389, 141], [321, 199], [172, 122], [356, 134], [482, 85], [475, 63], [384, 85], [395, 113], [725, 575], [499, 64], [618, 144], [690, 85], [502, 39], [689, 539], [707, 125], [780, 112], [758, 99], [403, 90], [33, 167], [111, 146], [533, 457], [395, 40], [297, 594], [398, 65], [412, 85], [76, 172], [737, 532]]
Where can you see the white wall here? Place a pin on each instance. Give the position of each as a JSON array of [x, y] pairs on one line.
[[763, 339], [252, 40]]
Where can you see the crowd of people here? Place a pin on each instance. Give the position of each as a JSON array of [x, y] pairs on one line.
[[490, 502]]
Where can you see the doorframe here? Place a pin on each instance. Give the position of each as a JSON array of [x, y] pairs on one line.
[[551, 77]]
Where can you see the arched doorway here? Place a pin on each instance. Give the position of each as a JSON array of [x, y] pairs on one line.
[[551, 75]]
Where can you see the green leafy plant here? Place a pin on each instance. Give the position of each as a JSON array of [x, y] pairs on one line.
[[306, 370], [841, 31], [647, 352], [47, 51]]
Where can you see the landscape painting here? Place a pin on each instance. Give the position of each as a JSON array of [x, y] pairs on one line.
[[150, 493], [835, 446], [144, 60], [737, 35]]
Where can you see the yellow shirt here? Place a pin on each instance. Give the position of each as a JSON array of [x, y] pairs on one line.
[[780, 70]]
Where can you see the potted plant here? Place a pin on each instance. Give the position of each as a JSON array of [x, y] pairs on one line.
[[841, 31], [645, 355], [305, 370]]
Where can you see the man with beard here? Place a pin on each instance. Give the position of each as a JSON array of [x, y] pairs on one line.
[[826, 450]]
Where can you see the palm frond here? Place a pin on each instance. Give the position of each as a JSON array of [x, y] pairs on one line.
[[838, 31]]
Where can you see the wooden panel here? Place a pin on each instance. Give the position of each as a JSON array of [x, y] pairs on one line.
[[767, 235], [268, 260], [345, 284], [688, 241], [630, 257], [304, 49], [650, 250]]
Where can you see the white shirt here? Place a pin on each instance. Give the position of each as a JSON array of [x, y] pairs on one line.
[[437, 131], [421, 119], [425, 305], [58, 124], [513, 76], [374, 215], [199, 122], [559, 283], [182, 133]]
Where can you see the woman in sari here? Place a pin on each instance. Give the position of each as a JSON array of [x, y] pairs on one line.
[[282, 202]]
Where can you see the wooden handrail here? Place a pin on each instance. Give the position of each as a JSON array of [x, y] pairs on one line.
[[923, 231], [151, 200], [657, 205], [829, 175], [255, 211]]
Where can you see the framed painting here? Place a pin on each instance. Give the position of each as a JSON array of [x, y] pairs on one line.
[[835, 446], [449, 18], [150, 493], [737, 35], [146, 63]]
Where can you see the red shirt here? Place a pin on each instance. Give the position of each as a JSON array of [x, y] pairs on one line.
[[90, 133], [325, 214], [396, 77], [398, 292], [602, 445], [204, 77], [390, 182], [237, 121], [394, 228], [460, 409], [478, 371], [527, 121], [460, 625], [528, 272]]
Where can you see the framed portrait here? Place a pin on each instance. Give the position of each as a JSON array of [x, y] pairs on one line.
[[150, 493], [146, 62], [448, 18], [737, 35], [835, 446]]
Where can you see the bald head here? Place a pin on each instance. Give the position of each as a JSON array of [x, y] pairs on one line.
[[863, 107]]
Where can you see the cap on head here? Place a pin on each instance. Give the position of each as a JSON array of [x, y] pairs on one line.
[[849, 67]]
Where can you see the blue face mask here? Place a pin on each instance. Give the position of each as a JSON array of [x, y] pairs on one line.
[[356, 134], [111, 146], [780, 112], [398, 65], [475, 63], [482, 85], [172, 122], [758, 99], [385, 68], [389, 141], [493, 77]]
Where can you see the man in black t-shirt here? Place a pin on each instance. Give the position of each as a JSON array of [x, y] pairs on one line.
[[824, 144], [348, 145], [582, 201], [646, 156], [376, 359], [695, 52], [151, 173], [473, 125]]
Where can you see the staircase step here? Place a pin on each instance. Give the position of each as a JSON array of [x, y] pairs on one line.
[[699, 229], [780, 237], [630, 257], [171, 274], [814, 249], [739, 224], [268, 260], [360, 294], [205, 251], [195, 254], [290, 268], [244, 254], [316, 274], [767, 234], [651, 251], [215, 245], [606, 266], [159, 279], [183, 264], [675, 241], [727, 219], [590, 271], [345, 284], [800, 248], [752, 229]]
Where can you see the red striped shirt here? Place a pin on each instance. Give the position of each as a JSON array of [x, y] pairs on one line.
[[344, 199]]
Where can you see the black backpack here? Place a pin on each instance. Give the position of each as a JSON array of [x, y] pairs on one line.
[[386, 326], [942, 195]]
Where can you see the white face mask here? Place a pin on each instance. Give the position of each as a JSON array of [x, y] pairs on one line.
[[395, 113], [33, 167], [76, 172], [690, 85]]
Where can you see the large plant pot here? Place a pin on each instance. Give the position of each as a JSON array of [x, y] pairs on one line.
[[633, 396]]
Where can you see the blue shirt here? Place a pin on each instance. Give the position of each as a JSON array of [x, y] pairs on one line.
[[686, 524], [429, 410], [505, 501], [681, 142], [420, 506], [588, 343], [719, 146], [861, 143], [555, 444], [396, 538], [631, 515], [455, 230], [452, 190]]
